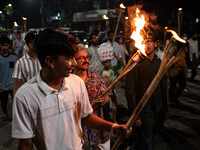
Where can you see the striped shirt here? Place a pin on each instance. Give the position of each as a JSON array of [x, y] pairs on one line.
[[26, 68]]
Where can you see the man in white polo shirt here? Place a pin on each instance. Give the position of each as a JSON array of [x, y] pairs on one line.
[[49, 109]]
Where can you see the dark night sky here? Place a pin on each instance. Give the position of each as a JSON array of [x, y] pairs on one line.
[[31, 9]]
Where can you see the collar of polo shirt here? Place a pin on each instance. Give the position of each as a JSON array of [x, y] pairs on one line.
[[47, 89]]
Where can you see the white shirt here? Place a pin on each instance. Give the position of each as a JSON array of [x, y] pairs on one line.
[[50, 115], [116, 50], [193, 47], [26, 68], [95, 63]]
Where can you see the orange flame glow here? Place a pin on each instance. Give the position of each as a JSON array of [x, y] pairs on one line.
[[139, 23], [175, 36]]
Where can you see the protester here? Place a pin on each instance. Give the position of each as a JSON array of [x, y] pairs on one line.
[[27, 66], [95, 87], [49, 109], [18, 45], [108, 76], [151, 118], [158, 50], [116, 48], [123, 49], [187, 54], [178, 80], [95, 63], [7, 62], [194, 54]]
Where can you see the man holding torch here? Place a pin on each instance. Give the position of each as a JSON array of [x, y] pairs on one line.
[[49, 109], [154, 113]]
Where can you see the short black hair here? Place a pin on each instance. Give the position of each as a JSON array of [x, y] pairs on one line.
[[52, 42], [93, 33], [110, 32], [30, 36], [4, 39]]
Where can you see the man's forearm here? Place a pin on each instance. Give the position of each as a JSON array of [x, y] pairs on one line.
[[93, 121]]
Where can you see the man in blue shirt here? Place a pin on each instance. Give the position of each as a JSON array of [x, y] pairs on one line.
[[7, 62]]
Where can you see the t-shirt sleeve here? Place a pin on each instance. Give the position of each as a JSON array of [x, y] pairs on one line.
[[22, 124], [17, 74]]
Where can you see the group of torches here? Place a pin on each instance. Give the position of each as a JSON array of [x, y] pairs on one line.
[[171, 54]]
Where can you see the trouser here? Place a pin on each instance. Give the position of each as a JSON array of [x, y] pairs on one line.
[[4, 100], [144, 138], [194, 72], [174, 91]]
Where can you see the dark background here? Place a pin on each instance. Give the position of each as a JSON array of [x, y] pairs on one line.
[[165, 10]]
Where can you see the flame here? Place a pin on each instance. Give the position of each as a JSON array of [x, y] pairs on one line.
[[15, 24], [105, 17], [122, 6], [175, 36], [139, 23], [24, 18]]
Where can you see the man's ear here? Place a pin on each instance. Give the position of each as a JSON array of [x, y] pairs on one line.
[[49, 61], [30, 44], [155, 44]]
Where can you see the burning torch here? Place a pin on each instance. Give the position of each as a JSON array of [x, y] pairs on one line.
[[171, 54], [137, 57], [119, 17], [25, 23]]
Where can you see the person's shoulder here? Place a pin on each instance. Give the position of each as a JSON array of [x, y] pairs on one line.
[[13, 54], [75, 79], [115, 44], [27, 88]]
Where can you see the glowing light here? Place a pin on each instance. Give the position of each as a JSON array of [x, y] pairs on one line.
[[180, 9], [139, 23], [24, 18], [175, 36], [15, 24], [122, 6], [105, 17]]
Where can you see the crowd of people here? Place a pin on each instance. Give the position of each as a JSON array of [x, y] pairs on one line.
[[53, 79]]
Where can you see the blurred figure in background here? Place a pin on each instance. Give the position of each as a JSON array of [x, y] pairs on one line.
[[18, 45], [123, 49], [95, 63], [7, 62], [27, 66], [194, 54]]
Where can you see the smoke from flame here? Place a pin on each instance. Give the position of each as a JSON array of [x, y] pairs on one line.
[[139, 22]]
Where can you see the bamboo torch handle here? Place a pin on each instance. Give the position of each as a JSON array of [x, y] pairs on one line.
[[128, 67], [116, 28], [141, 104]]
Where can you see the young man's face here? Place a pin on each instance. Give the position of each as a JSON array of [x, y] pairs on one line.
[[94, 40], [110, 37], [82, 59], [64, 65], [4, 47], [150, 46]]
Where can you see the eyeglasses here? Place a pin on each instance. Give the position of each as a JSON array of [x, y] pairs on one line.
[[95, 37], [148, 42], [83, 58]]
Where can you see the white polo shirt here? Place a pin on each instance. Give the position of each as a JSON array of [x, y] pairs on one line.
[[48, 115]]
